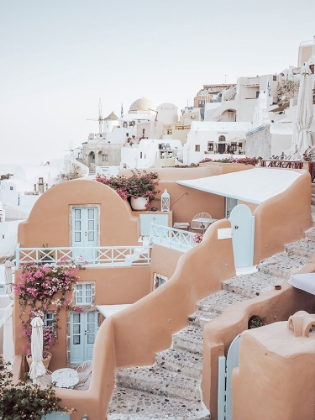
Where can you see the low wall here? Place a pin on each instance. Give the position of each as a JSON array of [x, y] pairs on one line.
[[283, 218], [219, 333]]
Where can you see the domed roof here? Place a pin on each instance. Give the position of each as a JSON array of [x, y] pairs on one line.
[[167, 105], [142, 105]]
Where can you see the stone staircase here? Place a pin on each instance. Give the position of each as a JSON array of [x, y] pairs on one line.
[[170, 389]]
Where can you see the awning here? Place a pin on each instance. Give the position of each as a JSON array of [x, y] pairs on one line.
[[254, 185], [304, 282], [108, 310]]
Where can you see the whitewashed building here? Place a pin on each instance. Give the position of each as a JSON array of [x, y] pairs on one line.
[[151, 153], [212, 139]]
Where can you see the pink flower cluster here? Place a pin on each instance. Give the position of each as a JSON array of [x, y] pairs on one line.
[[198, 237], [42, 282], [37, 289], [139, 184]]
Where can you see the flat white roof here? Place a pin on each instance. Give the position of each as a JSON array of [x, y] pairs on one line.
[[254, 185]]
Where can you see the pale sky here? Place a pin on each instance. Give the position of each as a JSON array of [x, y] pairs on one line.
[[58, 57]]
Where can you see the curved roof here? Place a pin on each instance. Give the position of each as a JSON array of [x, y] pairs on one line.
[[141, 105], [167, 105]]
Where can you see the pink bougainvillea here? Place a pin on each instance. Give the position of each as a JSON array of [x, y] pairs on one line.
[[198, 237], [139, 184], [42, 286]]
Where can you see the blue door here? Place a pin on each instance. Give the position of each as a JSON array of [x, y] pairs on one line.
[[242, 225], [83, 329], [85, 234]]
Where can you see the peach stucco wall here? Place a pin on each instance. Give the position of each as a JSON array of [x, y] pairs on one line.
[[187, 202], [48, 221], [133, 336], [219, 333], [283, 218], [274, 367], [113, 285]]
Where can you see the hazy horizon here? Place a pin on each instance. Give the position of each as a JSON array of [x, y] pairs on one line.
[[59, 58]]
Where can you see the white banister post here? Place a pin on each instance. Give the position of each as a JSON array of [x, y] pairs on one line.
[[17, 255]]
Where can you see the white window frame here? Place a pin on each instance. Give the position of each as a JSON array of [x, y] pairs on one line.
[[209, 148], [81, 295]]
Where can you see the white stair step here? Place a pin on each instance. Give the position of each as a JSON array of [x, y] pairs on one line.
[[303, 248], [132, 404], [282, 265], [251, 285], [190, 339], [159, 381], [200, 318], [219, 301], [181, 361]]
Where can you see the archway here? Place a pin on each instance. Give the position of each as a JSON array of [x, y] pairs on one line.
[[91, 158]]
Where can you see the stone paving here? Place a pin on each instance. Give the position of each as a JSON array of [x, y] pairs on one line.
[[170, 389]]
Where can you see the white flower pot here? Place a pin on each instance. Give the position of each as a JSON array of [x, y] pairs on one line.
[[139, 203]]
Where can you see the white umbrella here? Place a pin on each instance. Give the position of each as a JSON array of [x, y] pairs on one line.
[[302, 140], [7, 277], [37, 367]]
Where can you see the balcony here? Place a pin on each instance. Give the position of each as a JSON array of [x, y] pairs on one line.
[[172, 238], [89, 256]]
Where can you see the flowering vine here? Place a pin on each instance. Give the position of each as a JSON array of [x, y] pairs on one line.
[[41, 287]]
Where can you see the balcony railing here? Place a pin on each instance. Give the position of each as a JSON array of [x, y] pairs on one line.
[[106, 256], [278, 163], [172, 238]]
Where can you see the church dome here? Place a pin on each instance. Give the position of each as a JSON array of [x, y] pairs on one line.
[[142, 105]]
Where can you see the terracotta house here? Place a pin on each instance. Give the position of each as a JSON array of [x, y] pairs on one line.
[[87, 215]]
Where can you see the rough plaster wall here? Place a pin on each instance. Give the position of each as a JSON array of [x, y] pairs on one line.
[[259, 143]]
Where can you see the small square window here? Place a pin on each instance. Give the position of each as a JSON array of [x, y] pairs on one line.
[[210, 146], [84, 294], [197, 147]]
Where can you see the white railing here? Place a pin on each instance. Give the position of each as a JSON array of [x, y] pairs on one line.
[[103, 255], [172, 238]]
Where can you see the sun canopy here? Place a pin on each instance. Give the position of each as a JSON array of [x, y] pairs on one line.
[[253, 185]]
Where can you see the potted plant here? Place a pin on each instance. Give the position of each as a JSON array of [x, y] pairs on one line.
[[138, 185], [23, 400]]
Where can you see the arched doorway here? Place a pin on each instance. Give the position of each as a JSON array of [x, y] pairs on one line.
[[221, 144], [229, 115], [91, 158], [99, 158]]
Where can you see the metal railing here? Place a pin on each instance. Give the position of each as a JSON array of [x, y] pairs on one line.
[[279, 163], [103, 255], [171, 238]]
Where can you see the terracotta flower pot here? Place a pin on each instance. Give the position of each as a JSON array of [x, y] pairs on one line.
[[139, 203], [46, 360]]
